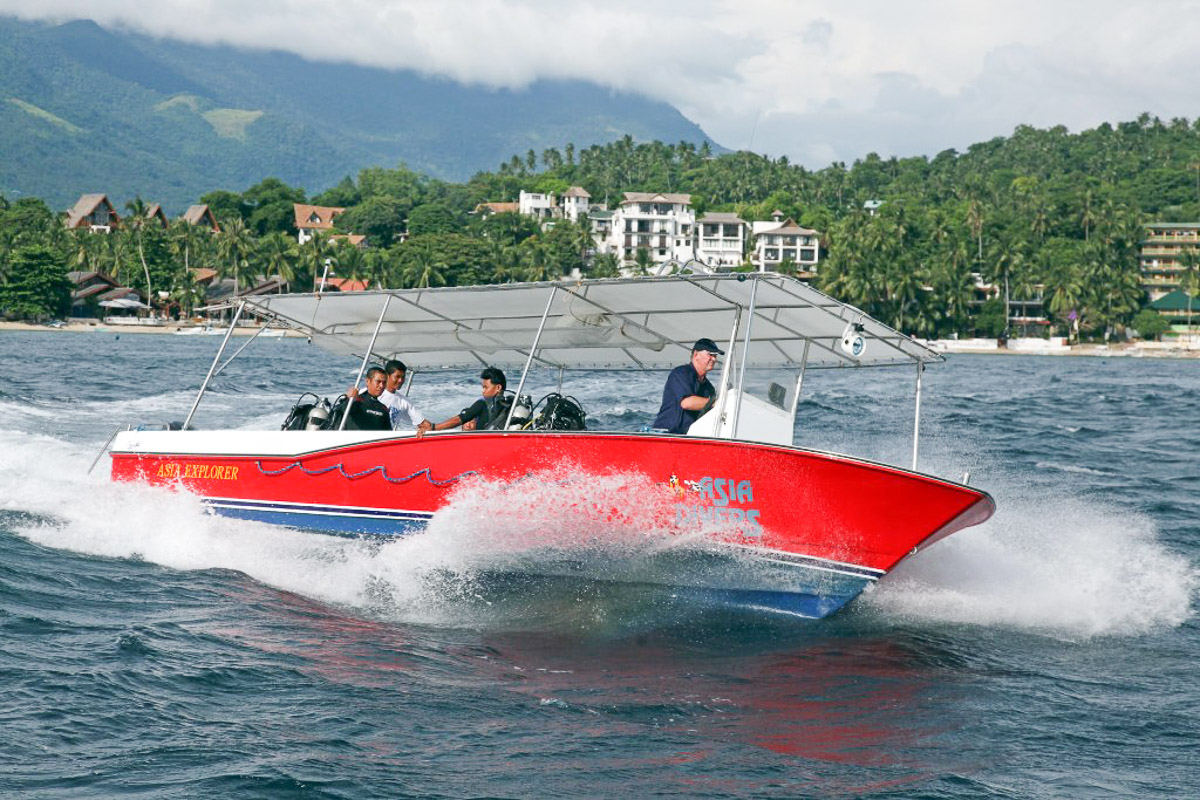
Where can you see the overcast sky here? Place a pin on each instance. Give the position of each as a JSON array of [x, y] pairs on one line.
[[816, 80]]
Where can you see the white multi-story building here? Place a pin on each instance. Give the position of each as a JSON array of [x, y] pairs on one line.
[[536, 204], [574, 203], [786, 241], [721, 240], [661, 224]]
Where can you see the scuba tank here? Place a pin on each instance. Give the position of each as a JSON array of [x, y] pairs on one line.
[[521, 412]]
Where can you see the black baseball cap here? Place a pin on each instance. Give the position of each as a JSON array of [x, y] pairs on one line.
[[707, 344]]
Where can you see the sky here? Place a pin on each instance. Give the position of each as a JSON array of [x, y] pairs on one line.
[[814, 80]]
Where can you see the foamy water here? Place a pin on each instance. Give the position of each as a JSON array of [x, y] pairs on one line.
[[1049, 652]]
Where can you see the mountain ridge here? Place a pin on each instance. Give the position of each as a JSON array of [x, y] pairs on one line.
[[169, 121]]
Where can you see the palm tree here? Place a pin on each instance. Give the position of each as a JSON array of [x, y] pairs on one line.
[[584, 242], [1190, 261], [606, 265], [279, 256], [975, 215], [137, 222], [642, 261], [188, 292], [538, 264], [235, 246], [424, 268], [315, 254]]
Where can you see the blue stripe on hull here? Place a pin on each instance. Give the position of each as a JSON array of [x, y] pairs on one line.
[[792, 603], [341, 524], [804, 589]]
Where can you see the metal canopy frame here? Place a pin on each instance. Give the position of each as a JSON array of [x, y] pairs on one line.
[[597, 324]]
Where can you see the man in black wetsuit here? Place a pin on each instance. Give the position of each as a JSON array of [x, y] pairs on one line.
[[688, 392], [483, 412], [366, 412]]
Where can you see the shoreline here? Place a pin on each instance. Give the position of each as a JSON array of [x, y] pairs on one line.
[[171, 328], [945, 347]]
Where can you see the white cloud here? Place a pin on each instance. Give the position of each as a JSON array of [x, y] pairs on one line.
[[816, 80]]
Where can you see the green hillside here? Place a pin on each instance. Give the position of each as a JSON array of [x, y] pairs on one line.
[[83, 109]]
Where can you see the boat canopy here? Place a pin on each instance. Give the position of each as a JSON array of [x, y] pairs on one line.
[[618, 323]]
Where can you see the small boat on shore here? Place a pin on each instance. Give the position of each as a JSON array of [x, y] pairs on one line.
[[200, 330], [794, 530]]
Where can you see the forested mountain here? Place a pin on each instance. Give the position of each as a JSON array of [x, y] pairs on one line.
[[84, 109], [1048, 214]]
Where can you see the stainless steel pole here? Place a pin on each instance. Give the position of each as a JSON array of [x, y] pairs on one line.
[[917, 417], [737, 410], [212, 369], [529, 359], [366, 357], [799, 384]]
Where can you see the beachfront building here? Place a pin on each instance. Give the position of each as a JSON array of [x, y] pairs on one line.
[[780, 243], [1166, 254], [721, 240], [155, 213], [311, 220], [1179, 310], [93, 212], [201, 214], [661, 224]]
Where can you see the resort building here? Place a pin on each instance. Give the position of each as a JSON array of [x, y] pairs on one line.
[[311, 220], [201, 215], [155, 212], [661, 224], [95, 212], [721, 240], [1165, 255], [786, 243]]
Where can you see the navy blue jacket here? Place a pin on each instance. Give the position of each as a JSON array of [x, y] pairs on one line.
[[683, 382]]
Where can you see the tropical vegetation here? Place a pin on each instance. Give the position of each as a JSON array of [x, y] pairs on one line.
[[1039, 214]]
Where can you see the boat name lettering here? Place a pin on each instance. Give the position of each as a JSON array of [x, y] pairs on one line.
[[698, 515], [721, 490], [716, 494], [212, 472]]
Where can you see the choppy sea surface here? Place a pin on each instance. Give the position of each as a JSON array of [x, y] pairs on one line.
[[150, 649]]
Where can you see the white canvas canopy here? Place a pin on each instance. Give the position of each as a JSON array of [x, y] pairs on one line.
[[123, 302], [621, 323]]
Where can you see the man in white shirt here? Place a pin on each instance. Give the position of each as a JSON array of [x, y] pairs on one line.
[[404, 415]]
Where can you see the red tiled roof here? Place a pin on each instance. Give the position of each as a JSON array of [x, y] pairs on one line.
[[499, 208], [315, 217], [343, 284]]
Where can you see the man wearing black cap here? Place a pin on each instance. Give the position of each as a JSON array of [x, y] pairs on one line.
[[688, 392]]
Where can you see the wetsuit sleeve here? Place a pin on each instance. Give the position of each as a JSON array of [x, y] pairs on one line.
[[476, 409]]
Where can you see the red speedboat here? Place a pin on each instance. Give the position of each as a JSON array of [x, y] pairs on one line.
[[774, 526]]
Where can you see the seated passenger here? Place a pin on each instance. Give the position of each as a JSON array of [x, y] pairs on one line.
[[402, 412], [688, 393], [366, 412], [483, 412]]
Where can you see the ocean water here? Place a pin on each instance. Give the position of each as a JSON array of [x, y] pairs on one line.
[[150, 649]]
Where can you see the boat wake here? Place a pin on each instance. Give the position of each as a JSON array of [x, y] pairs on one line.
[[569, 549], [1050, 564]]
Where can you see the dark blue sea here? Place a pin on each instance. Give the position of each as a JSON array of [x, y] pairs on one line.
[[150, 649]]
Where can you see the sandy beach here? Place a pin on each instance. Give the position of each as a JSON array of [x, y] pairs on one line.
[[171, 328], [976, 346]]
